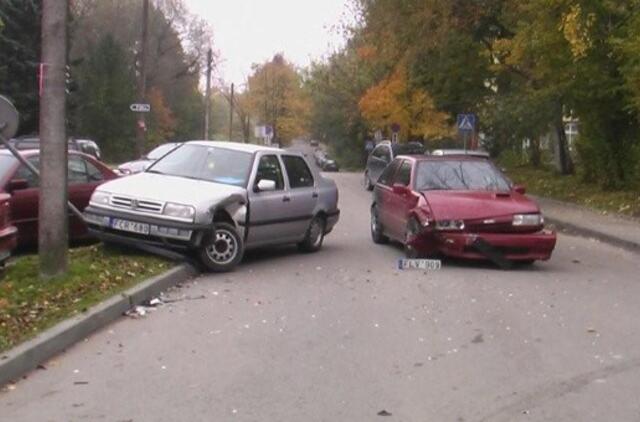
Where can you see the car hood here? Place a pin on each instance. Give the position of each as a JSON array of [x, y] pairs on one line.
[[175, 189], [136, 166], [467, 205]]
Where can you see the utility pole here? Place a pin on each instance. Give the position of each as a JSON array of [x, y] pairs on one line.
[[207, 98], [141, 127], [52, 208], [231, 114]]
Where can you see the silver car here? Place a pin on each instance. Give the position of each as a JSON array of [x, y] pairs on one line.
[[218, 199]]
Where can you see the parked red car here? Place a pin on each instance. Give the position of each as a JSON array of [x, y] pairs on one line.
[[8, 232], [84, 172], [459, 206]]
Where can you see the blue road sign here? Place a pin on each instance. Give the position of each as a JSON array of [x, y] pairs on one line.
[[466, 122]]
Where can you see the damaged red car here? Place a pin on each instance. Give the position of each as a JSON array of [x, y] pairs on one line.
[[458, 206]]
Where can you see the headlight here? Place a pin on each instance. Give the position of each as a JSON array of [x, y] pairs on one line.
[[124, 171], [100, 198], [450, 225], [528, 220], [179, 211]]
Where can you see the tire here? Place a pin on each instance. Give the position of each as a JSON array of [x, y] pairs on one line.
[[367, 182], [413, 228], [222, 250], [376, 228], [315, 235]]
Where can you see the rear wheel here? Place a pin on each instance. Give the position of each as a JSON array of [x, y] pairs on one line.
[[222, 250], [314, 237], [376, 228]]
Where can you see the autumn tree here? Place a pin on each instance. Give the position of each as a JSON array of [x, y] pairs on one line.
[[276, 98]]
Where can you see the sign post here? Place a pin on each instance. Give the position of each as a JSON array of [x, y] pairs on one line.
[[395, 130], [466, 124]]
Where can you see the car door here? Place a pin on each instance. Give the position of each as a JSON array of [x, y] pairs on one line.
[[400, 203], [378, 161], [303, 193], [24, 204], [382, 193], [269, 211]]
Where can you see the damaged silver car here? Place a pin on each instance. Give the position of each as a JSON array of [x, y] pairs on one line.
[[217, 199]]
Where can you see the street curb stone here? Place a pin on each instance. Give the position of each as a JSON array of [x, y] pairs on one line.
[[25, 357], [575, 229]]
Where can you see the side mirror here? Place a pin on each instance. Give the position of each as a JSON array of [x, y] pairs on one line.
[[399, 189], [519, 189], [265, 185], [17, 184]]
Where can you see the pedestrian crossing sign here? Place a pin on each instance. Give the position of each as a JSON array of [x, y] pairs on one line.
[[466, 122]]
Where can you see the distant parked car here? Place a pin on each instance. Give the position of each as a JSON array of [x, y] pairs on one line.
[[85, 173], [8, 232], [324, 162], [216, 199], [459, 206], [382, 155], [137, 166], [86, 146]]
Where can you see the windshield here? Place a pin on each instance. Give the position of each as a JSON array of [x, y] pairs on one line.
[[460, 175], [202, 162], [160, 151], [6, 164]]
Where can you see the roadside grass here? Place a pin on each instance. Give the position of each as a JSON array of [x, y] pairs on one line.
[[29, 305], [546, 182]]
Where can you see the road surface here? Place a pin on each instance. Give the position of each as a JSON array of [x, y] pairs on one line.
[[341, 335]]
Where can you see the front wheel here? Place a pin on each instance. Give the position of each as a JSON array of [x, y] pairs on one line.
[[376, 228], [314, 237], [222, 250]]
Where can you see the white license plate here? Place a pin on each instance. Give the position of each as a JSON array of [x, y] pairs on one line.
[[419, 264], [129, 226]]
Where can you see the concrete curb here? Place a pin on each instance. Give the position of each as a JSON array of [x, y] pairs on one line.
[[575, 229], [27, 356]]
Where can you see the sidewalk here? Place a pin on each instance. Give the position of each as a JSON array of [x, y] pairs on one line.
[[619, 231]]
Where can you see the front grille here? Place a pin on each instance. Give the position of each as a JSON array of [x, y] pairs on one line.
[[140, 205]]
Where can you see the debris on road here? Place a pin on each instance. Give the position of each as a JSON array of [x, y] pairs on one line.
[[81, 383], [384, 413]]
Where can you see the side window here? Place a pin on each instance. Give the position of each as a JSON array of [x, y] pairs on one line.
[[404, 174], [95, 175], [77, 170], [387, 175], [26, 174], [377, 152], [298, 171], [269, 169], [386, 154]]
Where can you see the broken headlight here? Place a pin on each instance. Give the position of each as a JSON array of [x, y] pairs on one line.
[[450, 225]]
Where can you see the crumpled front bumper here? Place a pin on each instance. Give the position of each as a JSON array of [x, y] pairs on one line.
[[511, 246]]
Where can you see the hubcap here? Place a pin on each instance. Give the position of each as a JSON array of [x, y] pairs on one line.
[[223, 248]]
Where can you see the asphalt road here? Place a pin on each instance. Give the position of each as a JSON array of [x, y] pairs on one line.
[[341, 335]]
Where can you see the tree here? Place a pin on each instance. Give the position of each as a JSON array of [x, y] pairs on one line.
[[277, 99], [20, 44], [53, 224]]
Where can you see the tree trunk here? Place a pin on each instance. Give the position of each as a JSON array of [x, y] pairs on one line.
[[565, 163], [53, 215]]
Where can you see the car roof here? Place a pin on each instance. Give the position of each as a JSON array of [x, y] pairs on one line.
[[251, 148], [32, 152], [463, 152], [461, 157]]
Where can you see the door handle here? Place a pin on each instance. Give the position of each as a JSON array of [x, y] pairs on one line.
[[286, 199]]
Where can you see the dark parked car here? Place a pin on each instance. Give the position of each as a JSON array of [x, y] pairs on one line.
[[382, 155], [324, 162], [86, 146], [8, 232], [138, 166], [85, 173], [457, 206]]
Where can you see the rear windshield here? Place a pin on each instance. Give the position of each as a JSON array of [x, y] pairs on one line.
[[460, 175], [408, 149]]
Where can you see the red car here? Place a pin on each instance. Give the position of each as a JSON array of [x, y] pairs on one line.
[[458, 206], [8, 232], [84, 174]]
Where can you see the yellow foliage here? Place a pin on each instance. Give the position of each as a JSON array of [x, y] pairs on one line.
[[392, 101], [576, 31]]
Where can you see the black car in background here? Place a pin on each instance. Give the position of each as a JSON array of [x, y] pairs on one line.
[[86, 146], [383, 154], [324, 162]]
